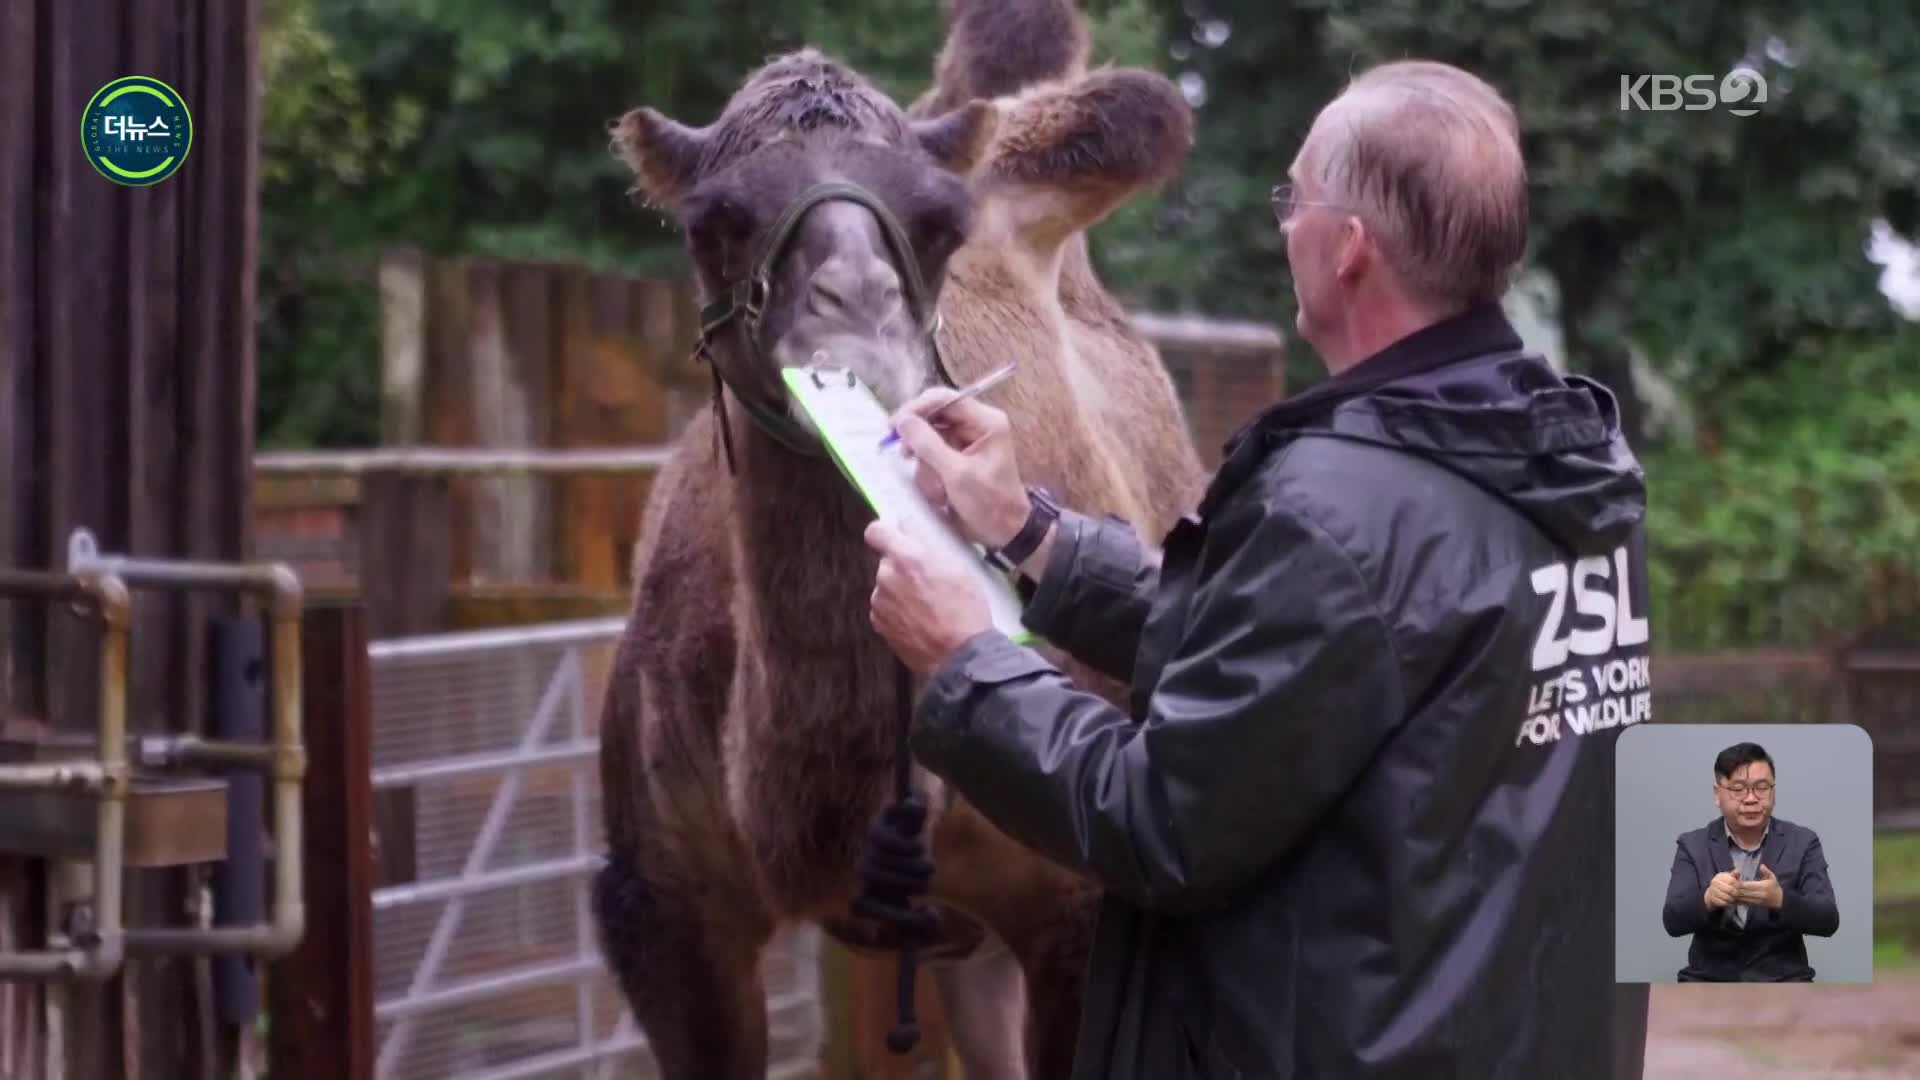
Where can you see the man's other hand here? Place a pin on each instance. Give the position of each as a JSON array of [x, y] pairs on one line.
[[1723, 890], [966, 466], [1765, 892], [922, 604]]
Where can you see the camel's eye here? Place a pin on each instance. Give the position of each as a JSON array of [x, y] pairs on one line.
[[720, 227], [937, 228]]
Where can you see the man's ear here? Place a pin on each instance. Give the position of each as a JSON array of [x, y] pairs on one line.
[[959, 138], [1354, 248], [663, 153]]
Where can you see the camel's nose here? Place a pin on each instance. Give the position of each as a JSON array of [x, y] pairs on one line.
[[860, 288]]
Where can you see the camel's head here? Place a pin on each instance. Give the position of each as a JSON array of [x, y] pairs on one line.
[[798, 276]]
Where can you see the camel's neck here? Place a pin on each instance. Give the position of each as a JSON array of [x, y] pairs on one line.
[[802, 534], [1027, 237]]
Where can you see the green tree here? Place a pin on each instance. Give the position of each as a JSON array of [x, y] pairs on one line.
[[479, 127], [1712, 241]]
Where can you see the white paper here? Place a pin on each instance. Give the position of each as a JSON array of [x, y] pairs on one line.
[[852, 421]]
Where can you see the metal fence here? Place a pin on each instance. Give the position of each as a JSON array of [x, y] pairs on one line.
[[486, 788]]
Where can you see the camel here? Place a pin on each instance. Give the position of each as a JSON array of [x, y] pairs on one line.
[[748, 732]]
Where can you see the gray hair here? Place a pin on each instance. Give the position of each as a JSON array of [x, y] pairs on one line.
[[1429, 155]]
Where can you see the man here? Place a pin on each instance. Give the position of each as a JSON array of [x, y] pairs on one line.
[[1356, 820], [1748, 885]]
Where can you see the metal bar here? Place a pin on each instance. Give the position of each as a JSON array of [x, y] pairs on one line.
[[174, 751], [485, 987], [572, 866], [1209, 335], [451, 460], [254, 938], [582, 848], [269, 579], [623, 1028], [569, 632], [490, 828], [86, 777], [608, 1052], [564, 1059], [288, 769], [481, 988], [490, 762]]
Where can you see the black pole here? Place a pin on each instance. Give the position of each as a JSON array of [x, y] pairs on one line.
[[238, 655]]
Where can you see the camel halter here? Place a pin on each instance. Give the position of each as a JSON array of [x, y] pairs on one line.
[[758, 388]]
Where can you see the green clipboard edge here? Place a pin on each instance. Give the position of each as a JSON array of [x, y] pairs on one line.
[[792, 375]]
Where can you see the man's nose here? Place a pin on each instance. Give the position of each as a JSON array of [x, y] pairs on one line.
[[860, 287]]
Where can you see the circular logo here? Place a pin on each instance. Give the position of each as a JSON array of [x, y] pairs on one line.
[[1739, 85], [136, 131]]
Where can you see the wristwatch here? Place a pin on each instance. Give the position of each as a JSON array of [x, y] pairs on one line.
[[1042, 513]]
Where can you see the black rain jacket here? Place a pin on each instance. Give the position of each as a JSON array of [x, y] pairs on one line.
[[1357, 822]]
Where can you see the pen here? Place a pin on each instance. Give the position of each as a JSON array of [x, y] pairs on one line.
[[986, 383]]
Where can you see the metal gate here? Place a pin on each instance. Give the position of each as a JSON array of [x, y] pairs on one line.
[[487, 796]]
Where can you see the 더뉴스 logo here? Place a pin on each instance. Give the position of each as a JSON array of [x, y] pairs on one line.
[[136, 131]]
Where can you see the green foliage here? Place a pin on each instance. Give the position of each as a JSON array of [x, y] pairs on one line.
[[479, 127], [1706, 238], [1795, 518]]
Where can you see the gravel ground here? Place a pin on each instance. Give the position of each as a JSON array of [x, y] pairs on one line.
[[1838, 1030]]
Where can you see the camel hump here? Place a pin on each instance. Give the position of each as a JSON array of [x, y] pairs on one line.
[[999, 47]]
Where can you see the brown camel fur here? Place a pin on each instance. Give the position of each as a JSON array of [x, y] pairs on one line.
[[748, 734]]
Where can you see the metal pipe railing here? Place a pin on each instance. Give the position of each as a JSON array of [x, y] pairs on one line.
[[283, 757], [99, 948]]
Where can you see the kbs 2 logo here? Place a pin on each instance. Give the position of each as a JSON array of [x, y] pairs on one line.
[[1594, 643]]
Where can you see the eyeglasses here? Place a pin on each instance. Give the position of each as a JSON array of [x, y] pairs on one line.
[[1739, 790], [1285, 199]]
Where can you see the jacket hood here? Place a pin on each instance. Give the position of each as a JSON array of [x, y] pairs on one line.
[[1464, 394]]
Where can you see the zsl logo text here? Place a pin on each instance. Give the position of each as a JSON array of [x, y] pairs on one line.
[[1617, 627]]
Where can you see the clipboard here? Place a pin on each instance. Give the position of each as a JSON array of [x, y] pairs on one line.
[[851, 422]]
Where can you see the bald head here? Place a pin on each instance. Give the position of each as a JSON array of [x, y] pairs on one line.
[[1429, 157]]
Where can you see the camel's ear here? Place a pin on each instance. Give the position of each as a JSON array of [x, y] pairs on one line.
[[663, 153], [1117, 128], [959, 138]]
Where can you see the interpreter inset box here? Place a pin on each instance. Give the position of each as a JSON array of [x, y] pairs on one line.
[[1743, 853]]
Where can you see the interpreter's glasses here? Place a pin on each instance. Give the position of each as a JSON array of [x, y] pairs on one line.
[[1740, 791]]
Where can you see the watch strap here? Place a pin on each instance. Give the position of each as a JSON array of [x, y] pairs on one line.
[[1041, 514]]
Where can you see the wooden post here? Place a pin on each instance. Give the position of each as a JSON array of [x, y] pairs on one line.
[[404, 538], [127, 354], [321, 994]]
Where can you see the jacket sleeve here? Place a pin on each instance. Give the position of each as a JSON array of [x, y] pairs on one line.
[[1093, 594], [1685, 911], [1809, 907], [1284, 685]]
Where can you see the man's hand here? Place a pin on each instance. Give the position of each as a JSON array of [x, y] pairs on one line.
[[967, 467], [923, 604], [1765, 892], [1723, 890]]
